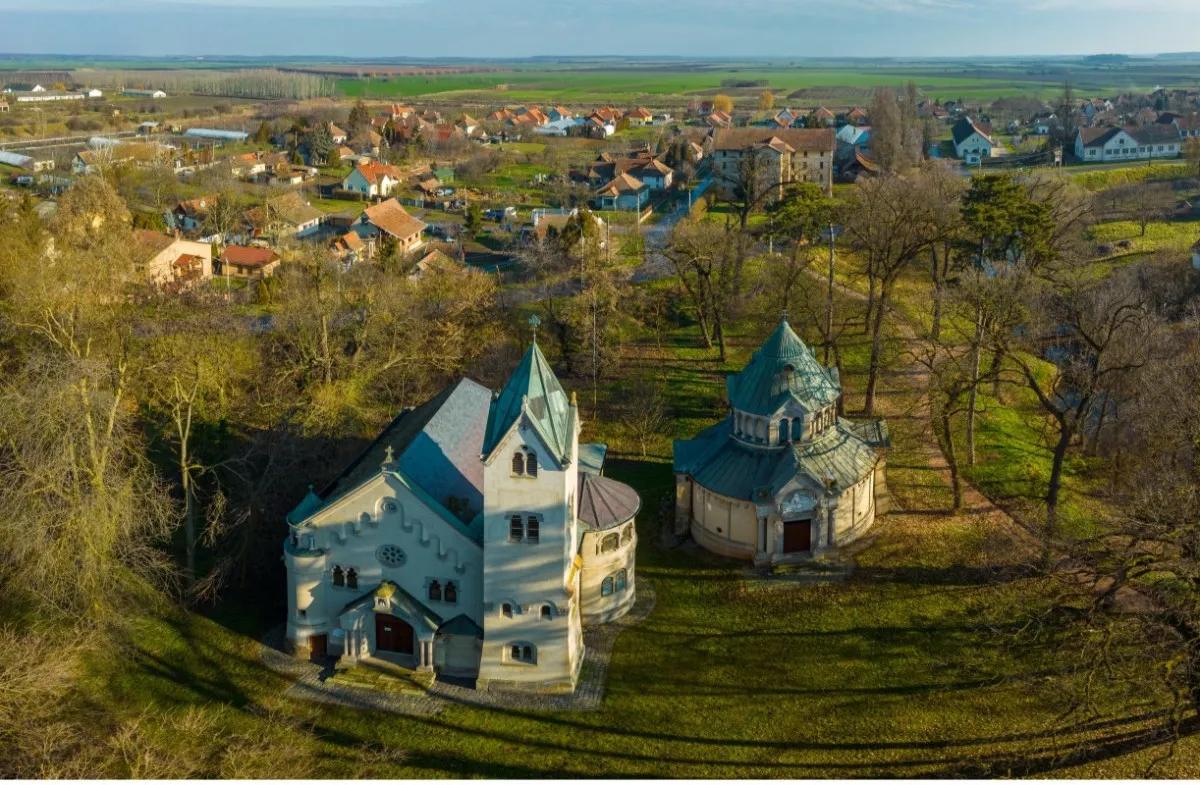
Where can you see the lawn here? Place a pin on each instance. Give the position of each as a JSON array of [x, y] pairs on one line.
[[1177, 236], [907, 668]]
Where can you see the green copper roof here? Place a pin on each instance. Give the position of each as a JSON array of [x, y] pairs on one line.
[[783, 368], [726, 466], [307, 506], [534, 385]]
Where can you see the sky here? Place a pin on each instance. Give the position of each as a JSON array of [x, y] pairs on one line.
[[520, 28]]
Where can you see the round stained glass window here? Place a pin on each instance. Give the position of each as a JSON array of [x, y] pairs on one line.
[[390, 556], [389, 506]]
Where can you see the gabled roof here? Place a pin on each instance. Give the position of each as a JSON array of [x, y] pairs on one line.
[[392, 218], [622, 184], [198, 207], [247, 256], [532, 387], [151, 243], [408, 605], [436, 446], [373, 171], [782, 368], [966, 126], [821, 113], [293, 209]]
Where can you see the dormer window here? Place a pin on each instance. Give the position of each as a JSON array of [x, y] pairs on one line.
[[531, 463], [784, 430]]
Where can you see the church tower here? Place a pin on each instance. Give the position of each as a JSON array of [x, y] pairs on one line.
[[531, 612]]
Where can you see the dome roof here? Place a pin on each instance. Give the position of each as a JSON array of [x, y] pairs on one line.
[[784, 367], [604, 503]]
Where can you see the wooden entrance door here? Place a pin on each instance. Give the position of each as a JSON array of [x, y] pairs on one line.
[[797, 536], [392, 634], [318, 645]]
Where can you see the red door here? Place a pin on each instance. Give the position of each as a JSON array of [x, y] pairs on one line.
[[797, 536], [318, 645], [392, 634]]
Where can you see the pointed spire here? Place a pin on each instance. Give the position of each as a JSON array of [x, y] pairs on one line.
[[534, 322]]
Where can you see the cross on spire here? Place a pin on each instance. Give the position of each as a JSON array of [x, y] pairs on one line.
[[534, 321]]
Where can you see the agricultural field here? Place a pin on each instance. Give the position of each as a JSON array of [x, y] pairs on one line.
[[816, 82]]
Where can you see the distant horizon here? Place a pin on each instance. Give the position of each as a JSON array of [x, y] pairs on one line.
[[484, 30]]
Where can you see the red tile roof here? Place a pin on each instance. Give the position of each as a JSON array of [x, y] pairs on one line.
[[392, 218], [248, 257]]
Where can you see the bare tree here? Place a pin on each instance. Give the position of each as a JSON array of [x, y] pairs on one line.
[[706, 262], [645, 412]]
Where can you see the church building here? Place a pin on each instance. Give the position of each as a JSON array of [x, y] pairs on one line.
[[782, 478], [475, 538]]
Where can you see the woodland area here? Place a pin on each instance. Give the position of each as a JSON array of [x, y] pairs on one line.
[[150, 446]]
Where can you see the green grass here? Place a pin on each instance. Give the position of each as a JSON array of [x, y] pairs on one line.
[[1101, 179], [1173, 235], [338, 205], [908, 668]]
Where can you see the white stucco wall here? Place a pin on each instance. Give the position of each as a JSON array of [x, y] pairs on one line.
[[528, 576], [598, 565], [349, 532]]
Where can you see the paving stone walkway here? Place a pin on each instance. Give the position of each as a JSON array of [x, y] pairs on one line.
[[311, 678]]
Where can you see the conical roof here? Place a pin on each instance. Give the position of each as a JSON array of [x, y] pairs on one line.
[[783, 367], [604, 503], [533, 385]]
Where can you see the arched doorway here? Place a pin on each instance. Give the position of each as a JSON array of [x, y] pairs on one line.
[[393, 634]]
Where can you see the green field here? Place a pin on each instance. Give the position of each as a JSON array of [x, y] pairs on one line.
[[819, 82]]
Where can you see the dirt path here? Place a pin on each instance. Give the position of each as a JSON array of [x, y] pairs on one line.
[[912, 378]]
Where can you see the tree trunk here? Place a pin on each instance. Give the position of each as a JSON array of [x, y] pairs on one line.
[[326, 360], [1056, 468], [876, 352], [189, 498], [829, 300], [870, 303], [935, 330], [952, 460], [973, 394]]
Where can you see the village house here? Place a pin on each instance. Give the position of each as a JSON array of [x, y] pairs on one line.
[[821, 118], [391, 219], [433, 261], [372, 179], [138, 93], [718, 119], [560, 113], [639, 117], [789, 155], [169, 263], [972, 140], [856, 116], [349, 247], [190, 215], [1128, 143], [286, 215], [138, 154], [339, 136], [623, 192], [1188, 127], [474, 538], [782, 478], [784, 118], [247, 263], [1095, 106]]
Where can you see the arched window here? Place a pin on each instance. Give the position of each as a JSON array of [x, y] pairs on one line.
[[522, 652], [451, 592], [621, 576], [518, 463], [797, 425], [516, 529], [352, 578], [627, 534], [531, 463], [606, 587], [506, 610], [610, 543], [339, 576], [547, 612], [762, 429], [532, 529], [435, 591], [783, 431], [527, 653]]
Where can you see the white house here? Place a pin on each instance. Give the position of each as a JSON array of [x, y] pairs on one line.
[[1128, 144], [854, 135], [473, 538], [372, 179], [972, 140], [93, 93]]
